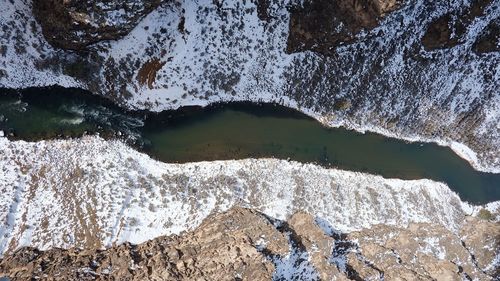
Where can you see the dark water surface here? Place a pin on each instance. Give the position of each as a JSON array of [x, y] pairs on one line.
[[234, 131]]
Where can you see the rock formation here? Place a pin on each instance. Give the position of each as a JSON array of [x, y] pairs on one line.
[[242, 244], [448, 30], [489, 40], [323, 25], [74, 24]]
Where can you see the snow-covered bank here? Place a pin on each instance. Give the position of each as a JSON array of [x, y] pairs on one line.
[[90, 191], [460, 149]]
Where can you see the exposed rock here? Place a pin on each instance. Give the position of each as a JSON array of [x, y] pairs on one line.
[[224, 247], [74, 24], [448, 30], [426, 251], [440, 34], [316, 243], [263, 10], [482, 239], [242, 244], [322, 25], [147, 73], [489, 40]]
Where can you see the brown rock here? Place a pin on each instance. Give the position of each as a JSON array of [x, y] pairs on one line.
[[316, 243], [74, 24], [242, 244], [447, 31], [147, 73], [426, 251], [322, 25], [439, 34], [224, 247], [482, 239]]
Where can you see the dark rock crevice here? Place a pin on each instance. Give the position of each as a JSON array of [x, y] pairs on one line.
[[323, 25], [449, 30], [74, 25]]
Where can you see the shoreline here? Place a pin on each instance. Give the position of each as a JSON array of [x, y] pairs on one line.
[[460, 149]]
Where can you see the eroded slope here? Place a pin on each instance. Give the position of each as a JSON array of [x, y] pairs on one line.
[[242, 244]]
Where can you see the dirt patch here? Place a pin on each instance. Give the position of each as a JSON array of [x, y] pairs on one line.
[[263, 10], [147, 73]]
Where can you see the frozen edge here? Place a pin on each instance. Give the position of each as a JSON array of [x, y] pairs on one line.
[[462, 150]]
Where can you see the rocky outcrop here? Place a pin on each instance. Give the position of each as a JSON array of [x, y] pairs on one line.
[[224, 247], [448, 30], [323, 25], [263, 10], [482, 240], [242, 244], [489, 40], [74, 24]]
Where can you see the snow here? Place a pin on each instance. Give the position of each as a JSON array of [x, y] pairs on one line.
[[295, 266], [463, 151], [495, 263], [91, 191], [433, 248], [493, 208]]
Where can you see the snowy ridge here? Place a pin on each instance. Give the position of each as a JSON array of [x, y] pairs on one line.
[[92, 192], [227, 53]]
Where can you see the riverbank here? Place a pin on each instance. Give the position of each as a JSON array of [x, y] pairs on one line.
[[237, 130]]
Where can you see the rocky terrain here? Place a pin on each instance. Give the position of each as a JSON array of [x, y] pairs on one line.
[[323, 25], [418, 70], [76, 24], [91, 208], [449, 30], [242, 244]]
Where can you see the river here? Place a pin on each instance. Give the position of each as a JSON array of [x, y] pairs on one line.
[[236, 131]]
